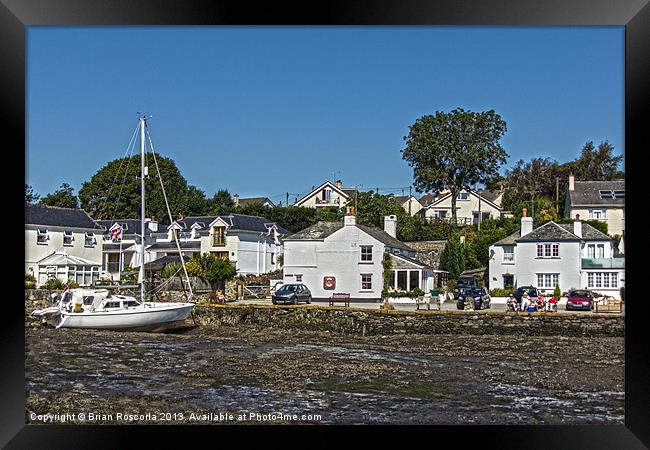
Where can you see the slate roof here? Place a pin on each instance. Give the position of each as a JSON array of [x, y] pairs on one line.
[[409, 260], [160, 263], [132, 225], [236, 221], [318, 231], [58, 217], [587, 193], [185, 245], [427, 199], [509, 240], [589, 233], [489, 195], [250, 200], [321, 230]]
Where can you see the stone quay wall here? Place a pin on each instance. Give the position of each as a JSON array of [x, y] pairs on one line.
[[377, 322]]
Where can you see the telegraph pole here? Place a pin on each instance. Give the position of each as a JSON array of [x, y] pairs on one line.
[[410, 201], [287, 200]]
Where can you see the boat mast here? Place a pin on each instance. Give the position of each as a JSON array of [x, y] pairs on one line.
[[142, 175]]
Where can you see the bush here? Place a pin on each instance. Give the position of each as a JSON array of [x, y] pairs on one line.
[[622, 291], [417, 292], [506, 292], [53, 284], [170, 270], [557, 292], [71, 284]]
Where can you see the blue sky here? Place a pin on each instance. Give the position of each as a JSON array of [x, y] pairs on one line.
[[268, 110]]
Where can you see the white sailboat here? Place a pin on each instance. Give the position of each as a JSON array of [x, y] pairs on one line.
[[97, 309]]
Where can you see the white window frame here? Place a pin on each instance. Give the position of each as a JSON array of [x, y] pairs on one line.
[[540, 250], [42, 233], [367, 255], [368, 282], [91, 236], [70, 235], [598, 214], [548, 280], [555, 250], [463, 196], [509, 253]]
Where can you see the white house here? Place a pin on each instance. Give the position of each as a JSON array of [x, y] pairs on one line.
[[598, 200], [62, 243], [470, 205], [573, 256], [327, 194], [410, 204], [346, 257]]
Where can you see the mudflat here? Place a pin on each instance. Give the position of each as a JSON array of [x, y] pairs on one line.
[[220, 375]]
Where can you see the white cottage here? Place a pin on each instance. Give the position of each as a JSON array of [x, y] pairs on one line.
[[346, 257], [573, 256], [470, 206], [62, 243]]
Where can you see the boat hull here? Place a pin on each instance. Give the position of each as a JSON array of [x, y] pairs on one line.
[[136, 319]]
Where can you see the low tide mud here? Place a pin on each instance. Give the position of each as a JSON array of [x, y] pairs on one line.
[[247, 375]]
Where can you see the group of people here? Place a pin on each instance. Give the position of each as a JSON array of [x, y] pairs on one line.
[[539, 303]]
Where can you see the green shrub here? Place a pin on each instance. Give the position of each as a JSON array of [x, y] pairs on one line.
[[622, 291], [53, 284], [71, 284], [557, 292], [506, 292], [417, 292], [170, 270]]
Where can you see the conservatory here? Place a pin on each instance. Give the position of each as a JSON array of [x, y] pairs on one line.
[[67, 268]]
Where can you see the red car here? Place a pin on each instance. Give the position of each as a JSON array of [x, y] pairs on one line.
[[580, 299]]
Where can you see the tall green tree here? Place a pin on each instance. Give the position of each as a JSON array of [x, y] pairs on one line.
[[455, 151], [452, 258], [30, 195], [63, 197], [220, 203], [598, 163], [114, 191]]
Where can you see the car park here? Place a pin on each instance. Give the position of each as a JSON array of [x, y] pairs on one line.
[[580, 299], [291, 294]]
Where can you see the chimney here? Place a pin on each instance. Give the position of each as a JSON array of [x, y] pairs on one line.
[[390, 225], [350, 216], [526, 223], [338, 184], [235, 200], [577, 226], [572, 182]]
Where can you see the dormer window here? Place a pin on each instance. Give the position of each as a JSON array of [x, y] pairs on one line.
[[176, 234], [41, 236], [89, 240], [67, 238], [463, 196], [218, 236]]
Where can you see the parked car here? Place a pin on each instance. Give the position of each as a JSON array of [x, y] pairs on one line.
[[533, 292], [462, 284], [580, 299], [291, 293], [477, 295]]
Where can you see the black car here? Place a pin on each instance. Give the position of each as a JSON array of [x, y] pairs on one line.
[[477, 295], [462, 284], [291, 293], [532, 292]]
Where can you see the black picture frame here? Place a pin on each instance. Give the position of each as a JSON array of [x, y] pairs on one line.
[[16, 15]]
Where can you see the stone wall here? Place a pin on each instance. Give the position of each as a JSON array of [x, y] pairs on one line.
[[369, 322], [428, 252]]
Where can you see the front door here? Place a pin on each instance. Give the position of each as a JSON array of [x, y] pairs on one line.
[[508, 281]]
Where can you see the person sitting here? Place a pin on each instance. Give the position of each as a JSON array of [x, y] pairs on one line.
[[525, 301], [219, 296], [552, 304], [539, 303]]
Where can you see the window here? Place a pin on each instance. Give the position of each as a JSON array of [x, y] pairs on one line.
[[176, 234], [600, 251], [606, 194], [599, 280], [272, 258], [509, 253], [366, 253], [440, 214], [619, 194], [220, 255], [597, 214], [414, 279], [548, 250], [463, 196], [299, 278], [591, 251], [90, 241], [67, 238], [327, 195], [366, 281], [401, 280], [41, 236], [602, 279], [548, 280], [218, 237]]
